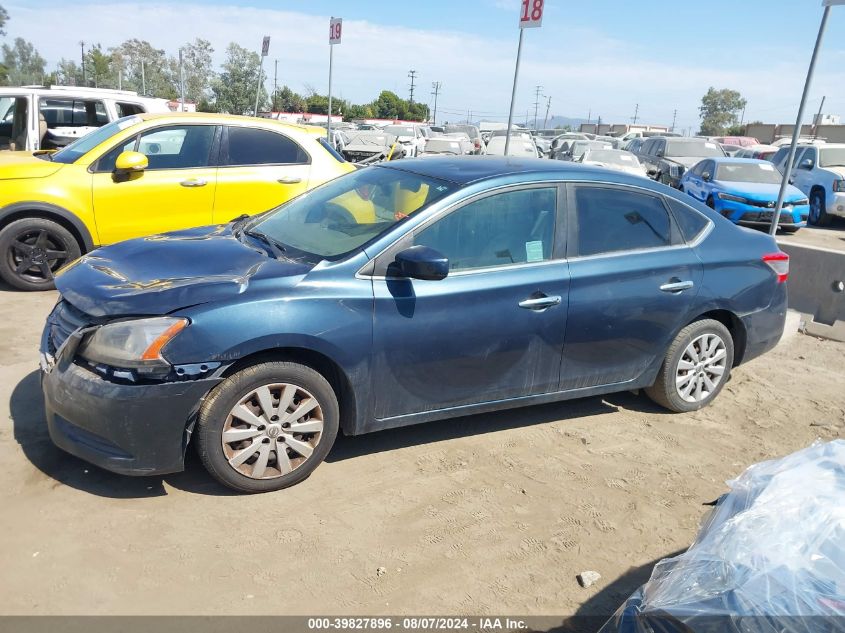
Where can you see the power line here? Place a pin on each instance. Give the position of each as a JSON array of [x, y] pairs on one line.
[[412, 74]]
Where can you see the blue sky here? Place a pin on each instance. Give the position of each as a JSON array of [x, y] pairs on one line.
[[598, 56]]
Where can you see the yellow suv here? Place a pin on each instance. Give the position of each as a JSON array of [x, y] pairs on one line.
[[148, 174]]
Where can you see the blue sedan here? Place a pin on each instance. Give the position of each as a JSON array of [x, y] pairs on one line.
[[745, 191], [401, 293]]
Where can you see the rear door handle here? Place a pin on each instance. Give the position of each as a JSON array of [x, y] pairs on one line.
[[193, 182], [289, 181], [676, 286], [539, 303]]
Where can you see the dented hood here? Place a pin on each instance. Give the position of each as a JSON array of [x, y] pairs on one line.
[[162, 273]]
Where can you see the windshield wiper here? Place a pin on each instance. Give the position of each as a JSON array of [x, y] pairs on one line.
[[276, 247]]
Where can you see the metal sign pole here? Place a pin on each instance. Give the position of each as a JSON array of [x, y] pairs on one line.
[[181, 82], [258, 87], [787, 172], [329, 124], [513, 94]]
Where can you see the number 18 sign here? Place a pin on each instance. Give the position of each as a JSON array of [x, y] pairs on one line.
[[335, 30], [531, 15]]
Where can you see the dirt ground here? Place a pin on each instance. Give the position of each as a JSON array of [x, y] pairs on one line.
[[493, 514], [832, 237]]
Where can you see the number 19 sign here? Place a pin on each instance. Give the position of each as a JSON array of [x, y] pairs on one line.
[[335, 30], [531, 15]]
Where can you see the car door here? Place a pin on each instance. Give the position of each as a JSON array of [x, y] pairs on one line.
[[259, 170], [647, 154], [802, 174], [633, 281], [175, 191], [493, 329]]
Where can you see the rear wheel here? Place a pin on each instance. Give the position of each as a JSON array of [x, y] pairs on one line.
[[818, 215], [267, 427], [32, 250], [696, 367]]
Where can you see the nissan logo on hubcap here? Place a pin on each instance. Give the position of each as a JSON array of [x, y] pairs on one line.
[[273, 431]]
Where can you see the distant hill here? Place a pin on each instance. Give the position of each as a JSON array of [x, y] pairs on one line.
[[562, 121]]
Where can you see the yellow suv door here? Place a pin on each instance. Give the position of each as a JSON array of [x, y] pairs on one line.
[[259, 170], [175, 191]]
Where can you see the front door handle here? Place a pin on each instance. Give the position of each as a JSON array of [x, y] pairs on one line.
[[675, 286], [539, 303], [289, 181], [194, 182]]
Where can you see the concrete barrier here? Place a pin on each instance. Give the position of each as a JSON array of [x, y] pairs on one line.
[[817, 289]]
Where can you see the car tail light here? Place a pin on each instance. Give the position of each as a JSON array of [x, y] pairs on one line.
[[779, 263], [477, 144]]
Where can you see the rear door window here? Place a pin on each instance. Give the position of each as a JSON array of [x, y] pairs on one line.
[[253, 146], [127, 109], [617, 219]]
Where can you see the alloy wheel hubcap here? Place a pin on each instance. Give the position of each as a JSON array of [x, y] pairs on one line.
[[701, 368], [37, 255], [272, 431]]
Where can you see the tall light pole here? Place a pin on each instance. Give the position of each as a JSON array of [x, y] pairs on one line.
[[335, 35], [84, 77], [412, 74], [530, 16], [265, 50], [787, 171], [181, 82]]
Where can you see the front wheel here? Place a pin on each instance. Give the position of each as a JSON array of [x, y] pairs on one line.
[[696, 367], [32, 250], [267, 427], [818, 214]]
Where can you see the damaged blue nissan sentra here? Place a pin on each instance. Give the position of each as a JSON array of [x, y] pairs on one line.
[[401, 293]]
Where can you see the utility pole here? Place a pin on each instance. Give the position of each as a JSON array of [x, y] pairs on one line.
[[181, 82], [674, 119], [548, 106], [275, 82], [435, 85], [537, 92], [84, 76], [636, 114], [589, 115], [143, 80], [818, 118], [742, 118], [412, 74]]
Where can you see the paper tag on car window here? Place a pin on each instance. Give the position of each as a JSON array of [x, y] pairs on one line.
[[710, 145], [767, 167], [534, 251], [628, 158]]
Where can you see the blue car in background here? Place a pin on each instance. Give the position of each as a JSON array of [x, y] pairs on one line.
[[401, 293], [745, 191]]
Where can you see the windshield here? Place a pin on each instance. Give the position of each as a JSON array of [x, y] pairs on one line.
[[692, 149], [764, 173], [612, 157], [400, 130], [443, 146], [86, 143], [832, 157], [344, 214]]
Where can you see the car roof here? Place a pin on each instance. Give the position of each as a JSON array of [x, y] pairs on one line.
[[721, 160], [464, 170], [205, 117]]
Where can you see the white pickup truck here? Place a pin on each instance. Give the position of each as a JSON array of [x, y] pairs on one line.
[[33, 118], [819, 171]]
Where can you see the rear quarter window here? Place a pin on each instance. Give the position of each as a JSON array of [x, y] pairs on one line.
[[690, 222]]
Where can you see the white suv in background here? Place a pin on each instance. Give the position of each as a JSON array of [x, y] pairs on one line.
[[33, 118], [819, 171], [410, 136]]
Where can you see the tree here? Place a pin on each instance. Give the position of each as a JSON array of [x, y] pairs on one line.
[[720, 110], [197, 69], [4, 17], [388, 105], [69, 73], [23, 64], [234, 89], [143, 65], [286, 100], [98, 66]]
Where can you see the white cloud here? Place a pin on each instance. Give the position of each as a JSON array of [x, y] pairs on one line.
[[583, 69]]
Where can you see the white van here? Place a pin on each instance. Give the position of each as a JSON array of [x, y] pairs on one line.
[[32, 117]]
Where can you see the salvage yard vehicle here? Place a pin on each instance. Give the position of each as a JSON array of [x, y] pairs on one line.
[[666, 158], [745, 191], [521, 145], [763, 152], [579, 148], [258, 340], [367, 144], [49, 118], [617, 159], [457, 146], [819, 171], [146, 174], [411, 137], [472, 132]]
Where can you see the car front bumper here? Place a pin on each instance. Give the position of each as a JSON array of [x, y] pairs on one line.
[[750, 215], [836, 206], [127, 429]]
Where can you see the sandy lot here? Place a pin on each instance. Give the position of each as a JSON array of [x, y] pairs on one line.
[[832, 237], [489, 514]]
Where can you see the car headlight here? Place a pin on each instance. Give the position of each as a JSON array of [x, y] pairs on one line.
[[676, 171], [134, 344], [839, 186], [732, 198]]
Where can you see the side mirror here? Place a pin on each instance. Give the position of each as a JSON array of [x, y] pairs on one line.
[[807, 163], [130, 162], [660, 153], [422, 262], [706, 176]]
